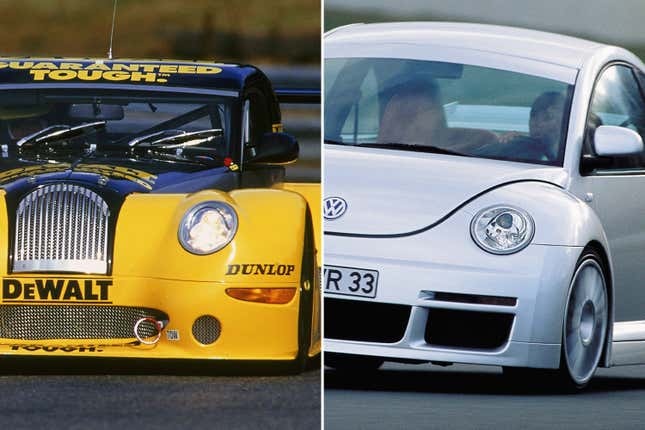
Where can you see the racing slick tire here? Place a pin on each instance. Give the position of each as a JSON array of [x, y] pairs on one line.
[[307, 288], [584, 329]]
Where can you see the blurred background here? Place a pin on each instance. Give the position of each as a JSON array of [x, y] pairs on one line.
[[607, 21], [282, 37]]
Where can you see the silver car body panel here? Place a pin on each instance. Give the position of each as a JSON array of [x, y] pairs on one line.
[[388, 193]]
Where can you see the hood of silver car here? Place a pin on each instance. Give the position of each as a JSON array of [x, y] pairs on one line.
[[396, 192]]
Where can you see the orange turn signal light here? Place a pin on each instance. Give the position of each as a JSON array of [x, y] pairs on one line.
[[274, 296]]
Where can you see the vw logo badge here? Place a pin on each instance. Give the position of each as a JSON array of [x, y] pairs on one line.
[[334, 207]]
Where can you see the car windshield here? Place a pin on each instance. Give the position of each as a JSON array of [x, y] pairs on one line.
[[447, 108], [144, 121]]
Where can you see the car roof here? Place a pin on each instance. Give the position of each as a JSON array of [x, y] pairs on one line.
[[510, 41], [157, 73]]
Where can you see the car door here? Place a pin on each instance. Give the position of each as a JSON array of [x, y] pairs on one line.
[[619, 187]]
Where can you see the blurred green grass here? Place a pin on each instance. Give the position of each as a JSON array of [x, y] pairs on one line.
[[276, 31]]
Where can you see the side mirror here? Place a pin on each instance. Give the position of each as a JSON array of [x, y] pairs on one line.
[[612, 141], [274, 148]]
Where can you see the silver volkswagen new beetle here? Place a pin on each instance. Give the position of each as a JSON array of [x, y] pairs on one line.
[[484, 199]]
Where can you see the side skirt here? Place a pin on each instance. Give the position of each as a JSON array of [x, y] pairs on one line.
[[628, 343]]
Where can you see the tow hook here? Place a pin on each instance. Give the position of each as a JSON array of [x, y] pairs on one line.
[[150, 340]]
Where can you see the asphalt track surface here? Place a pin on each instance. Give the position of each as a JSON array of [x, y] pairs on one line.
[[477, 397], [125, 395]]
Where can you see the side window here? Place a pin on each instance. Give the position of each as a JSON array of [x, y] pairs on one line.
[[246, 120], [259, 118], [617, 101]]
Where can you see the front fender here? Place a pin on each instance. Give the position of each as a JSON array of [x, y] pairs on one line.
[[311, 192], [271, 226], [561, 219]]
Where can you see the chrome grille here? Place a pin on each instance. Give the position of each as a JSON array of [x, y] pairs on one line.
[[44, 322], [63, 228]]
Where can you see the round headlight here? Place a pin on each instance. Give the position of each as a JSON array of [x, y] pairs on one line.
[[207, 227], [502, 229]]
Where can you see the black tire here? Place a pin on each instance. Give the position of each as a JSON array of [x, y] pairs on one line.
[[305, 312], [356, 364]]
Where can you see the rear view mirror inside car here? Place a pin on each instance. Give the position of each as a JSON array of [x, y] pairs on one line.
[[96, 111]]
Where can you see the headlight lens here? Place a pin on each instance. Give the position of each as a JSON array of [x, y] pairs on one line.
[[502, 229], [207, 227]]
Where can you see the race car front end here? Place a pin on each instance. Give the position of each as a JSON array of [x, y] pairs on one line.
[[146, 292], [436, 296], [144, 213]]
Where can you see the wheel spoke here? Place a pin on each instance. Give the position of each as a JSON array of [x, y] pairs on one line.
[[576, 350], [579, 361]]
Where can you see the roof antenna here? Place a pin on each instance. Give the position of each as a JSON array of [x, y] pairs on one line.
[[112, 32]]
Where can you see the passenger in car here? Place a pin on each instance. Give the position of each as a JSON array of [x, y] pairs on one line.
[[545, 123], [545, 128]]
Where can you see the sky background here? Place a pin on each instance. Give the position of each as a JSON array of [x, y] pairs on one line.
[[610, 21]]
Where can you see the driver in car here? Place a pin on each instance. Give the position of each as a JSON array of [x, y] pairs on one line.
[[414, 114], [22, 127]]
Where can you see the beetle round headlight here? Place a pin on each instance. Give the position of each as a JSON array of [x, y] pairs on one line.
[[502, 229], [207, 227]]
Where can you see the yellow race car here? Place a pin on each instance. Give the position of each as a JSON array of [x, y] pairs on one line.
[[145, 213]]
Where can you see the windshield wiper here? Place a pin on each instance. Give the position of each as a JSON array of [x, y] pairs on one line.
[[172, 139], [335, 142], [413, 147], [56, 133]]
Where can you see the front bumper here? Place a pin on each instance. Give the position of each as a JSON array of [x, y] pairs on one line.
[[413, 269], [249, 331], [515, 354]]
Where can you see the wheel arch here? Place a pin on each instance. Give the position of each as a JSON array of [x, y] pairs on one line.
[[605, 359]]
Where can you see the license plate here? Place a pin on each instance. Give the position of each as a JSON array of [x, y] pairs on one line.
[[350, 281]]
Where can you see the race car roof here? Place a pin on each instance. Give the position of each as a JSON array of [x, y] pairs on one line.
[[120, 71], [537, 45]]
